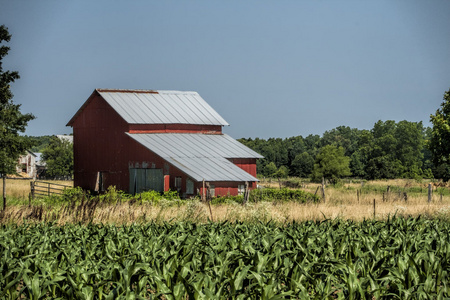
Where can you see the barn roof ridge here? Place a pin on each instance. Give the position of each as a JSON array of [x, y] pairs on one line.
[[157, 107], [144, 91]]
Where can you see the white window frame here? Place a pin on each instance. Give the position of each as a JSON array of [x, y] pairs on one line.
[[241, 189]]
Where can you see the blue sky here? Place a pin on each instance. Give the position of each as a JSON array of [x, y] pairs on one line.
[[270, 68]]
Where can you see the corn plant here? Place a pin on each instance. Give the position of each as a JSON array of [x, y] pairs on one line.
[[400, 258]]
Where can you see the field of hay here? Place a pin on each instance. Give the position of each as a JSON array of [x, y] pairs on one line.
[[350, 200], [18, 190]]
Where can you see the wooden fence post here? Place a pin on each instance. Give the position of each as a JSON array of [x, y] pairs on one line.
[[246, 193], [387, 192], [430, 192], [203, 191], [374, 210], [32, 189], [317, 190], [323, 189], [4, 191]]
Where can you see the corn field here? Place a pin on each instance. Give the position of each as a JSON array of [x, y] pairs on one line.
[[399, 258]]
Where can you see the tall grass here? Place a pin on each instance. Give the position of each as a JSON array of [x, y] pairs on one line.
[[351, 200], [125, 213]]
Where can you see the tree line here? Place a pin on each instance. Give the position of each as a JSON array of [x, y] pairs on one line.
[[389, 150]]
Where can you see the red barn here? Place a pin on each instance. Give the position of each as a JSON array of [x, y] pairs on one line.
[[142, 140]]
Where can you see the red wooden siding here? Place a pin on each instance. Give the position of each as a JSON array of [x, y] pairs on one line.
[[99, 145], [246, 164]]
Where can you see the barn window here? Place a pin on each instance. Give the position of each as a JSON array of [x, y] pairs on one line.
[[189, 186], [24, 168], [241, 189], [178, 183], [212, 190]]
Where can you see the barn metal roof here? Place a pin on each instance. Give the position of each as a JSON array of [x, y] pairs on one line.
[[200, 156], [161, 107]]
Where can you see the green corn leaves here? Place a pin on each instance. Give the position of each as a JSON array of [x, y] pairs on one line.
[[394, 259]]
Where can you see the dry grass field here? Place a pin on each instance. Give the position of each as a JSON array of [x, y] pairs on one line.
[[351, 200], [19, 189], [355, 200]]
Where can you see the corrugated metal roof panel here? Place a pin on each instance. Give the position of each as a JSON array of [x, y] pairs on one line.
[[162, 107], [201, 156], [196, 145]]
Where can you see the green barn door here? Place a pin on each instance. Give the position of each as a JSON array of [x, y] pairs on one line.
[[154, 180], [142, 180]]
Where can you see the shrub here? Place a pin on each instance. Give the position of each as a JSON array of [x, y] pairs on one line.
[[171, 195], [113, 195], [227, 199], [269, 194], [149, 197], [73, 194]]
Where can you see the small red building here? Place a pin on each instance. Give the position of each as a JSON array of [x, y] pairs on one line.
[[142, 140]]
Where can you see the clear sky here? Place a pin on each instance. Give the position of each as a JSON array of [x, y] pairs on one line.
[[270, 68]]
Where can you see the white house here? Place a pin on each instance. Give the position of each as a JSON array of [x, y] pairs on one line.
[[26, 166]]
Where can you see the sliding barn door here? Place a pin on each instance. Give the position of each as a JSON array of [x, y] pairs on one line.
[[142, 180]]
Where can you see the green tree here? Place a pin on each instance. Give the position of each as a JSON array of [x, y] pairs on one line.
[[39, 142], [342, 136], [12, 121], [427, 164], [440, 137], [58, 157], [360, 157], [295, 146], [410, 142], [396, 150], [331, 163], [358, 164], [382, 161], [312, 144], [270, 169], [302, 165], [282, 172]]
